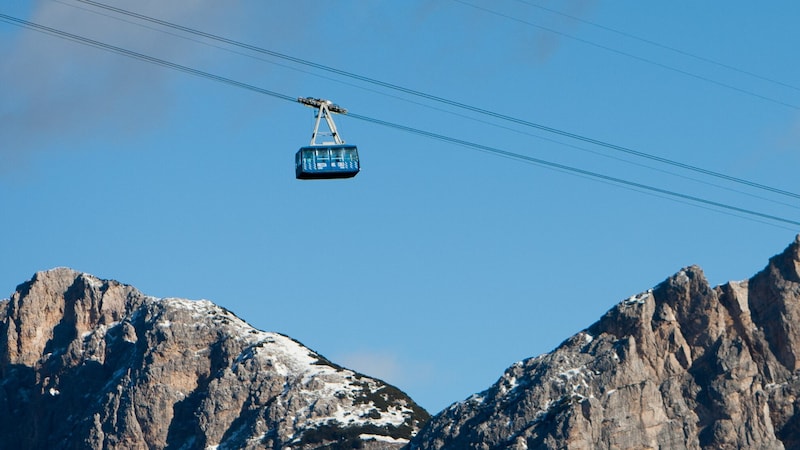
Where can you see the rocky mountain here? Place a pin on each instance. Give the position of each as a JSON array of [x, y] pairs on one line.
[[681, 366], [95, 364]]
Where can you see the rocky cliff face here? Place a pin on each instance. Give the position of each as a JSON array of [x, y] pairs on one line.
[[681, 366], [95, 364]]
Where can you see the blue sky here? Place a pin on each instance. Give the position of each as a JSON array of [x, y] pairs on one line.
[[438, 266]]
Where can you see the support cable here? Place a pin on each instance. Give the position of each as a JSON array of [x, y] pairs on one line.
[[449, 102], [431, 135], [629, 55], [662, 46]]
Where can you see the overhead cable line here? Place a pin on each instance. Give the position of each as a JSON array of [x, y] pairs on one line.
[[463, 116], [424, 105], [440, 137], [136, 55], [449, 102], [570, 169], [662, 46], [629, 55]]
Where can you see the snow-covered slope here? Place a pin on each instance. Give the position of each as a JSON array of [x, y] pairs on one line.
[[89, 363]]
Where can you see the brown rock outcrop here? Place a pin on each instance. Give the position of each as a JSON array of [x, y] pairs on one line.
[[94, 364], [681, 366]]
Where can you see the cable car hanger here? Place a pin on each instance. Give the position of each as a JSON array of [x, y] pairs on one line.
[[326, 159], [324, 110]]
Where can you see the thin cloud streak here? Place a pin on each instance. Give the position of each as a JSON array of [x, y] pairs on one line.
[[386, 367], [60, 94]]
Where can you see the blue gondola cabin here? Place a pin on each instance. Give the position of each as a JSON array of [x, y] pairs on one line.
[[327, 161]]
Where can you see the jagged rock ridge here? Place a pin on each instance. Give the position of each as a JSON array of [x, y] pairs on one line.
[[95, 364], [681, 366]]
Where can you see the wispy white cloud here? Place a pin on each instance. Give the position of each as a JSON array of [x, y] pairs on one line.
[[58, 90], [387, 367], [543, 44], [58, 94], [789, 141]]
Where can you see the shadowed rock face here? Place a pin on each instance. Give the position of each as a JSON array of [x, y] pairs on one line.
[[95, 364], [681, 366]]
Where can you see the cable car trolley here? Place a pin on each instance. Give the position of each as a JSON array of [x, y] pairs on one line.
[[327, 159]]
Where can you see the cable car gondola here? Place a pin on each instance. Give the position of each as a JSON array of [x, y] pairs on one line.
[[326, 160]]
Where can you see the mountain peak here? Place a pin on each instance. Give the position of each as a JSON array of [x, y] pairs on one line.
[[787, 263], [91, 363], [57, 305], [683, 365]]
